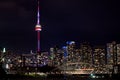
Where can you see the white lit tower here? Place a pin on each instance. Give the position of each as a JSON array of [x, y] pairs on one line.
[[38, 29]]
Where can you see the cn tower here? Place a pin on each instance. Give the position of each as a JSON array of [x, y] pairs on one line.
[[38, 29]]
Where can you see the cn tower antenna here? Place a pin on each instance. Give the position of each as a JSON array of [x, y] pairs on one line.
[[38, 14], [38, 29]]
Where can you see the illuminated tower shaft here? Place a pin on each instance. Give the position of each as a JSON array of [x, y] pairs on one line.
[[38, 29], [38, 43]]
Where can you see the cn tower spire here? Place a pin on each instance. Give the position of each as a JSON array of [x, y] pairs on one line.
[[38, 14], [38, 29]]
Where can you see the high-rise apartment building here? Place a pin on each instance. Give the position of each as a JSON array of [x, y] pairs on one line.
[[112, 53], [71, 51], [118, 54], [56, 57], [86, 53], [99, 56]]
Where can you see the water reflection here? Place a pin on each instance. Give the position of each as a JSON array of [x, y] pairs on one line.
[[54, 77]]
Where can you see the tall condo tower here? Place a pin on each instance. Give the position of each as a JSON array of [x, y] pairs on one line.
[[38, 29]]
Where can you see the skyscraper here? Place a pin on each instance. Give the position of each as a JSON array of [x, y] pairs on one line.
[[111, 53], [71, 51], [118, 54], [38, 29], [99, 56], [86, 52]]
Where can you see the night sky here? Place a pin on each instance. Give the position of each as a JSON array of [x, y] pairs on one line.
[[95, 21]]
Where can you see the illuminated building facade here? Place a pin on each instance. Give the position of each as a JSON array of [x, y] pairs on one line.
[[86, 53], [113, 57], [71, 51], [118, 54], [111, 53], [99, 57], [56, 57], [51, 57]]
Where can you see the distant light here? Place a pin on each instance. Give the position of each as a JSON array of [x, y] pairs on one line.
[[70, 42], [7, 66], [31, 52], [4, 50], [64, 47], [92, 76], [3, 59]]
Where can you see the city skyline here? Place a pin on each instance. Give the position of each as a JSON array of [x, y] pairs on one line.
[[94, 21], [85, 60]]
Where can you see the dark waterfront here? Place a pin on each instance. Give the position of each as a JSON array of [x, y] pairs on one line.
[[60, 77]]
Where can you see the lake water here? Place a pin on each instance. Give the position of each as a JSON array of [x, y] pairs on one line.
[[58, 77]]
